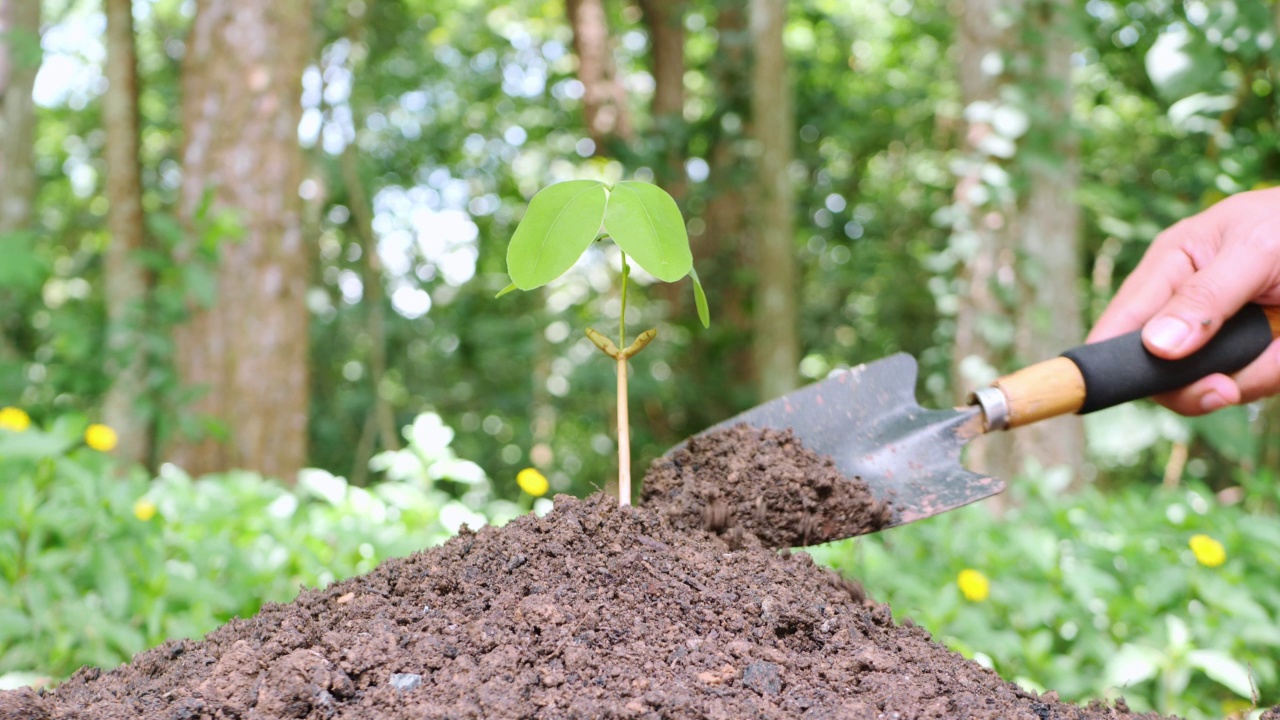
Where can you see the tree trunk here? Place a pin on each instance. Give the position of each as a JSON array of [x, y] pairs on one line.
[[665, 22], [604, 100], [719, 359], [19, 61], [1048, 245], [248, 352], [981, 235], [775, 315], [1020, 242], [664, 19], [127, 282]]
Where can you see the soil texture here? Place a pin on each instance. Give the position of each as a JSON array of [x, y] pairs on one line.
[[763, 482], [593, 611]]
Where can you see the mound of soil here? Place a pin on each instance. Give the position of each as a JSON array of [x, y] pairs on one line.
[[763, 482], [593, 611]]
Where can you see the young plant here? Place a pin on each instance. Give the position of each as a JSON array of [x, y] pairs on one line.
[[643, 221]]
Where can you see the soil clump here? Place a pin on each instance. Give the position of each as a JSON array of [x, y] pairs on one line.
[[763, 482]]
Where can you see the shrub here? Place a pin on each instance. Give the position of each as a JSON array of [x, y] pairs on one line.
[[1166, 597], [95, 567]]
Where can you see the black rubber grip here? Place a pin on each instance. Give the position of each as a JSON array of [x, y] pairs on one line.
[[1122, 369]]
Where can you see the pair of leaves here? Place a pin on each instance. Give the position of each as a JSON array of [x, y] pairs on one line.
[[564, 219]]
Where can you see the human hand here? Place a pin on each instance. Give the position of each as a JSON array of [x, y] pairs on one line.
[[1195, 276]]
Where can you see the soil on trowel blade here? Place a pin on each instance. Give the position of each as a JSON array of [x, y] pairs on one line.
[[763, 482], [593, 611]]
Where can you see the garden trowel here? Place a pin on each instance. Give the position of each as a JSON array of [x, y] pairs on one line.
[[867, 419]]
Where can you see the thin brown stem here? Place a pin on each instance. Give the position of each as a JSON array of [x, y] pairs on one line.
[[624, 437]]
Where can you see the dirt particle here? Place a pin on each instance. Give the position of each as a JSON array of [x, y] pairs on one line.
[[718, 675], [405, 681], [763, 677]]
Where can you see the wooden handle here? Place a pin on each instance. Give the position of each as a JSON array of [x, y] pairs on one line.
[[1102, 375], [1273, 319], [1044, 390]]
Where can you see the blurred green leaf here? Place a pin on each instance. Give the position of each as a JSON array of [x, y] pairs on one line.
[[1228, 432], [1132, 665], [22, 268], [201, 284], [1224, 670], [33, 445]]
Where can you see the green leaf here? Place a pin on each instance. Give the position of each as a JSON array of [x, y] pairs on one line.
[[23, 47], [508, 289], [201, 284], [645, 222], [167, 229], [324, 485], [22, 268], [561, 222], [1228, 431], [15, 680], [1179, 633], [1131, 665], [33, 444], [700, 299], [1223, 669]]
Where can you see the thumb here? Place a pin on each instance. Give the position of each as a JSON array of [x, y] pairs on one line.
[[1203, 302]]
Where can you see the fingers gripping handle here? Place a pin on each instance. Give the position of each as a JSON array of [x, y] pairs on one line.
[[1121, 369], [1101, 375]]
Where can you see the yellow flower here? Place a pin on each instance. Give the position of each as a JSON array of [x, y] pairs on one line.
[[12, 418], [1208, 552], [532, 482], [144, 509], [974, 585], [100, 438]]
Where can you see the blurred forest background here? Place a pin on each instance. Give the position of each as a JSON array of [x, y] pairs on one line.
[[266, 235]]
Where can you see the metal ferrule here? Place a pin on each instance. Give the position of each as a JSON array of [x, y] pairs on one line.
[[995, 407]]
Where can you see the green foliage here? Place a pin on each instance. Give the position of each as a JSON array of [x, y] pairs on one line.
[[96, 567], [565, 218], [1095, 595]]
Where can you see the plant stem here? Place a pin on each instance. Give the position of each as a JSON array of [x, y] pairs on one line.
[[622, 316], [624, 430], [624, 437]]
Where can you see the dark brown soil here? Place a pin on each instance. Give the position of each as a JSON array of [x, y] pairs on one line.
[[594, 611], [763, 482]]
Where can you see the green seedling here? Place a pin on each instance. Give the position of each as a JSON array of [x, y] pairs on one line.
[[644, 222]]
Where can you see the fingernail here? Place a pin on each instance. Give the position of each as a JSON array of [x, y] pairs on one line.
[[1167, 333], [1212, 401]]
